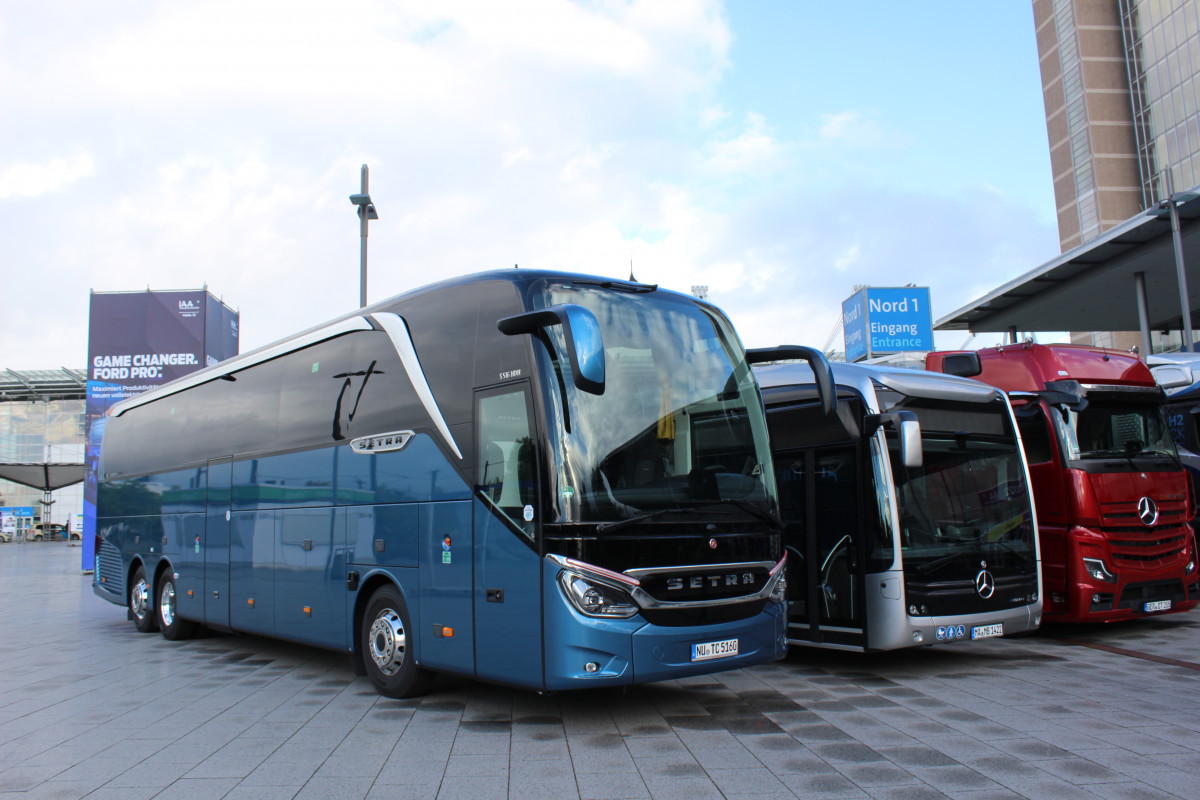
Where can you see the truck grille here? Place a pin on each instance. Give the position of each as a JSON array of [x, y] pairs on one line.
[[1145, 546]]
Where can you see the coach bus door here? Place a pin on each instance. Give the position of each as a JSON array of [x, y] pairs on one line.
[[508, 600], [215, 544], [820, 491]]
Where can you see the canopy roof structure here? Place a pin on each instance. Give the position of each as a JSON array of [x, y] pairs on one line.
[[1094, 286], [42, 385], [46, 477]]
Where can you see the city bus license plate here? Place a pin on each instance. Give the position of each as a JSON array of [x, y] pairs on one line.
[[1159, 605], [987, 631], [706, 651]]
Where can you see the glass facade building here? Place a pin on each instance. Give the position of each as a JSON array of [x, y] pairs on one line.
[[42, 421], [1121, 91], [1162, 54]]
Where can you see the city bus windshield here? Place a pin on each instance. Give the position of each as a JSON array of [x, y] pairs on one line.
[[679, 425], [1121, 425], [970, 500]]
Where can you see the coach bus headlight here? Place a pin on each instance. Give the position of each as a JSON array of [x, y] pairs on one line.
[[596, 599], [1097, 570]]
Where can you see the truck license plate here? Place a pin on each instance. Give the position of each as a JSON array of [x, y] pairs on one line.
[[987, 631], [1159, 605], [706, 651]]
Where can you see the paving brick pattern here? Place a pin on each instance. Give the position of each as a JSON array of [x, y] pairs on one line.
[[90, 708]]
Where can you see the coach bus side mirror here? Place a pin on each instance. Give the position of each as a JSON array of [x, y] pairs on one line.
[[585, 344], [907, 426]]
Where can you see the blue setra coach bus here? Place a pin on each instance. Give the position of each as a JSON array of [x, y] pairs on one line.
[[535, 478]]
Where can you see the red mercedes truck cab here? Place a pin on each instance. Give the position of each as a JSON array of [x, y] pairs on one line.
[[1113, 501]]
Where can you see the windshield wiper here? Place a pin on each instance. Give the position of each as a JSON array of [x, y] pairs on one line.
[[750, 508], [604, 527], [1008, 548], [938, 563]]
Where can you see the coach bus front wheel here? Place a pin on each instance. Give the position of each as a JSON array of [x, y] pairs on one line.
[[386, 647], [139, 603]]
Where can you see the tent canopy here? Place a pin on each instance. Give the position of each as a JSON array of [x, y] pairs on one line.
[[46, 477]]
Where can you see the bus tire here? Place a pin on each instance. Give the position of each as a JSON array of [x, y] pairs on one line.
[[387, 646], [140, 603], [173, 627]]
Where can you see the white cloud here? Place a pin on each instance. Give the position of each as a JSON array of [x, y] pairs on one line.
[[754, 148], [223, 140], [34, 180]]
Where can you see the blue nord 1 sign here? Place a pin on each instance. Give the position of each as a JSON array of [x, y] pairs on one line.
[[878, 320]]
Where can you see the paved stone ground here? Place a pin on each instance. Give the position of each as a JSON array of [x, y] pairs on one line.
[[90, 708]]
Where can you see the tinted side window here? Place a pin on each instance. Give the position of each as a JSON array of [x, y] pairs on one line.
[[319, 386], [506, 469]]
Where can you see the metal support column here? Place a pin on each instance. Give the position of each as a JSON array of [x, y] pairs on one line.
[[1143, 307], [362, 259], [1180, 272]]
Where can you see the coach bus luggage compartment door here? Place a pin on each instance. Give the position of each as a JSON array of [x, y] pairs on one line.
[[215, 544]]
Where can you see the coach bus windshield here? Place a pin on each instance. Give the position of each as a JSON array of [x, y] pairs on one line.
[[970, 499], [679, 424]]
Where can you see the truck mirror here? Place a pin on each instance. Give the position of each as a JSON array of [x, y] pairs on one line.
[[964, 365], [585, 343]]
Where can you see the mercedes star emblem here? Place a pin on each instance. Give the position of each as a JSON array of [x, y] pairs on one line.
[[985, 584], [1147, 511]]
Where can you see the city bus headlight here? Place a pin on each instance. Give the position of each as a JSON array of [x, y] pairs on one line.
[[1095, 567], [594, 598]]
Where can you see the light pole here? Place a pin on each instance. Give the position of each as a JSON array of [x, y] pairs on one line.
[[366, 213]]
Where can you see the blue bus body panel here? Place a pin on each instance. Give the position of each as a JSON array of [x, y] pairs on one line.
[[383, 536], [189, 565], [508, 627], [310, 576], [252, 572], [444, 571], [631, 650], [215, 545]]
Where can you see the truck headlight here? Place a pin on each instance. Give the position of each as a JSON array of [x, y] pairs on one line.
[[594, 598], [1095, 567]]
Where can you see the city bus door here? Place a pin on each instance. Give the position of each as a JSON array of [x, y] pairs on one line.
[[820, 492], [215, 544]]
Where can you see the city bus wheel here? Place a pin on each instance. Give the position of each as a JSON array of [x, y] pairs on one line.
[[139, 603], [387, 637], [173, 627]]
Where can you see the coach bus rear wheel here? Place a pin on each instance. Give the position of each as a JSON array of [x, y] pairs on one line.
[[172, 626], [139, 603], [386, 647]]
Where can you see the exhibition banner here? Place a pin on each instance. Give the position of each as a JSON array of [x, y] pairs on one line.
[[138, 341]]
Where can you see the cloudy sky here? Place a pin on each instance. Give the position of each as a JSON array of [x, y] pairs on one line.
[[778, 152]]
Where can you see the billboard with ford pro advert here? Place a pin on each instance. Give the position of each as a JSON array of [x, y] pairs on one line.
[[139, 341], [881, 320]]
